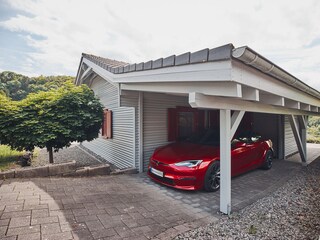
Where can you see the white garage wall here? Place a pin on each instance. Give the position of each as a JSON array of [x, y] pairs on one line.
[[290, 143]]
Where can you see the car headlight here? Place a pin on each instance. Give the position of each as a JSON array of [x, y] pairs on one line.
[[188, 163]]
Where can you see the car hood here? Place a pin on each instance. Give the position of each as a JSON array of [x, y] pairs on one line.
[[177, 152]]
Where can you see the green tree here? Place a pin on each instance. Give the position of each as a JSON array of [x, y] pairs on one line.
[[50, 119], [17, 86]]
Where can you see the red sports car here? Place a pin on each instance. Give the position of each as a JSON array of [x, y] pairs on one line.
[[194, 164]]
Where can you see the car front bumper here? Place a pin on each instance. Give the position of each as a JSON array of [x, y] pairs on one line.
[[178, 177]]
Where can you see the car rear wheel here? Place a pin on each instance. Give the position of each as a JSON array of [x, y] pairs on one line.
[[212, 178], [268, 160]]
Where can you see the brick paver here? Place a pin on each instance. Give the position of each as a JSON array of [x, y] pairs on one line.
[[119, 207]]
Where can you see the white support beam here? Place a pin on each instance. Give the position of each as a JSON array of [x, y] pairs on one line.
[[303, 133], [197, 100], [225, 161], [85, 74], [235, 121], [227, 89], [299, 140], [249, 93], [91, 79], [272, 99], [305, 107], [84, 66], [314, 109], [292, 103]]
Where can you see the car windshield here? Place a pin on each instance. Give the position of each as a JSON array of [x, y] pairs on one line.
[[206, 137], [248, 136]]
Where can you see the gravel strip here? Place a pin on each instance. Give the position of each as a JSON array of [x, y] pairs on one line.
[[291, 212], [65, 155]]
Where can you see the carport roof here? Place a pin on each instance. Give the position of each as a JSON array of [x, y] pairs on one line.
[[244, 54], [228, 77]]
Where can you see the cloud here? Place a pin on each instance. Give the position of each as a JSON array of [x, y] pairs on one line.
[[133, 31]]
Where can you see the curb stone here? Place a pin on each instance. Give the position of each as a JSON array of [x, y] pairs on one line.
[[63, 169], [124, 171]]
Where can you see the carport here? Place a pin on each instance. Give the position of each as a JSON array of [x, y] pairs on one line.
[[231, 80]]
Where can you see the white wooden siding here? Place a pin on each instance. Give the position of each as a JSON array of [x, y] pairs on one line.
[[120, 150], [155, 121], [131, 99], [289, 140], [107, 93]]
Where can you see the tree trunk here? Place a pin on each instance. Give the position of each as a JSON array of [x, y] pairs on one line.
[[50, 150]]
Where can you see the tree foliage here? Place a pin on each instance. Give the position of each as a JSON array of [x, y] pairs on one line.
[[313, 129], [17, 86], [51, 119]]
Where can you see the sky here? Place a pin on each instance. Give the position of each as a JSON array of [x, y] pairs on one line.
[[47, 37]]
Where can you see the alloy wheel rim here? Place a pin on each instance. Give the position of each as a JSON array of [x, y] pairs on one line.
[[269, 159], [214, 179]]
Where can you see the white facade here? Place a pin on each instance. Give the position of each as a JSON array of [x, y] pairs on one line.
[[120, 150]]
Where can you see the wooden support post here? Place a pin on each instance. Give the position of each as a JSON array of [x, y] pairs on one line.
[[300, 142], [303, 133], [225, 161]]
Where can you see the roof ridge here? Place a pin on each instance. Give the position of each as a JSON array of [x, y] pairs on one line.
[[204, 55], [106, 61]]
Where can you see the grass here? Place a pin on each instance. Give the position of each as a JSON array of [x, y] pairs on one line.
[[8, 157]]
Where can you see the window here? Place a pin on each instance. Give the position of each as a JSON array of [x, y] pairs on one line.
[[183, 122], [107, 124]]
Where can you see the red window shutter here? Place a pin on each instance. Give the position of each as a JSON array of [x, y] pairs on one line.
[[107, 124], [172, 124]]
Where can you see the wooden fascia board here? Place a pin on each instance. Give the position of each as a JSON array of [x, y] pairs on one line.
[[99, 70], [209, 71], [79, 71]]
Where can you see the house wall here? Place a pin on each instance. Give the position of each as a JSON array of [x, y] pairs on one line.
[[155, 121], [131, 99], [120, 150]]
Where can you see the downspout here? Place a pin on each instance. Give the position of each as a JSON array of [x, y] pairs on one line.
[[140, 132]]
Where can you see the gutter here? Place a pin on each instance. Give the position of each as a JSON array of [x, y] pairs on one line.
[[254, 59]]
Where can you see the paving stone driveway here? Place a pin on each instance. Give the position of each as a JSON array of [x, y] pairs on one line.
[[119, 207]]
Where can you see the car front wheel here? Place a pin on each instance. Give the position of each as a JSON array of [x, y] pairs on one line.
[[268, 160], [212, 178]]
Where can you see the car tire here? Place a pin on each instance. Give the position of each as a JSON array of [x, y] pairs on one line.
[[212, 177], [267, 164]]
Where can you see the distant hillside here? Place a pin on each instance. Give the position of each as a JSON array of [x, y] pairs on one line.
[[17, 86]]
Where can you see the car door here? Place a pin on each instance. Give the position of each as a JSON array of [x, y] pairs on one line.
[[243, 155]]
